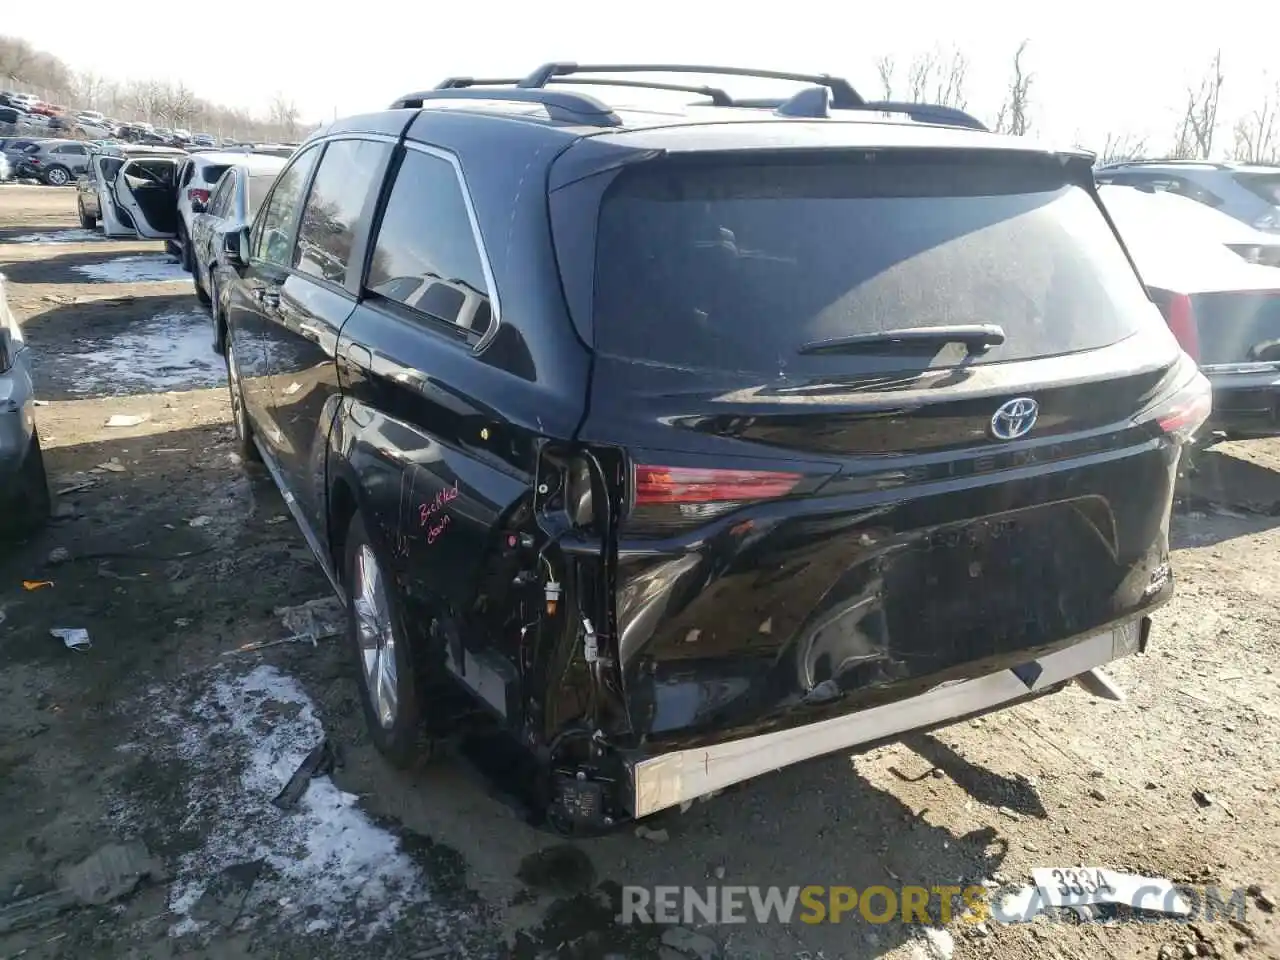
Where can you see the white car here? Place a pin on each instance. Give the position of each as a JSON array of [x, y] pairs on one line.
[[130, 190], [1164, 214], [5, 171], [197, 176]]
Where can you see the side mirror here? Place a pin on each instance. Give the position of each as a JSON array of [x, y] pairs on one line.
[[235, 247]]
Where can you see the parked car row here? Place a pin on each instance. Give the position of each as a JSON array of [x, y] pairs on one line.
[[693, 450]]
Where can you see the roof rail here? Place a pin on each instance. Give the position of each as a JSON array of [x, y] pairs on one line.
[[843, 96], [807, 103], [717, 96], [563, 105]]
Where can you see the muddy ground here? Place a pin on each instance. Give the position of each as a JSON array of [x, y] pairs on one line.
[[160, 734]]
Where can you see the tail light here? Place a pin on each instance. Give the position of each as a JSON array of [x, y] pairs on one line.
[[1181, 318], [1183, 411], [195, 193], [668, 498]]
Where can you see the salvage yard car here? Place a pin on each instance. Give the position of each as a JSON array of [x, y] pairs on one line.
[[24, 488], [1225, 311], [131, 190], [694, 449], [236, 199]]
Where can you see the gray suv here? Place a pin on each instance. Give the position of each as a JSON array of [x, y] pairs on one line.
[[55, 162], [1246, 191]]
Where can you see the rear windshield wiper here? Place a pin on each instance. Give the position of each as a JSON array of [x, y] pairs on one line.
[[976, 337]]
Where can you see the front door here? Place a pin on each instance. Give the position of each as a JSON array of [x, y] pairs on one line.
[[253, 300]]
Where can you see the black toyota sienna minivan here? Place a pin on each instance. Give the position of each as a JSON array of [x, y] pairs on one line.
[[694, 441]]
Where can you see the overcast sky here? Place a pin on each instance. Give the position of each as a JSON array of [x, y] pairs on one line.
[[1122, 65]]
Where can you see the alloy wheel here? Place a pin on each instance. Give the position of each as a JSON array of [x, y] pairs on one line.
[[238, 415], [58, 177], [376, 636]]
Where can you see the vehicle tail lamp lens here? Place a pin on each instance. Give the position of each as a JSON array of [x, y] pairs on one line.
[[1181, 318], [1183, 412], [669, 498]]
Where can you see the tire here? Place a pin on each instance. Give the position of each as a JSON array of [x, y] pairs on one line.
[[86, 221], [377, 638], [32, 504], [245, 446], [201, 293], [57, 176], [186, 249]]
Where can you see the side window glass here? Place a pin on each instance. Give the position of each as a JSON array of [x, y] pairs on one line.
[[273, 233], [188, 169], [326, 232], [218, 203], [426, 256]]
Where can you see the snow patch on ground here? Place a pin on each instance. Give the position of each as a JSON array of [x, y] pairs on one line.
[[170, 351], [59, 236], [142, 268], [326, 864]]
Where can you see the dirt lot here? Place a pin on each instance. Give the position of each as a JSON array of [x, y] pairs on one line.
[[177, 554]]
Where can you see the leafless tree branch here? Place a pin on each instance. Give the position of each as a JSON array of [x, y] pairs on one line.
[[1014, 116]]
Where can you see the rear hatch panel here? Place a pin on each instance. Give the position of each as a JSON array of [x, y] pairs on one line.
[[912, 546]]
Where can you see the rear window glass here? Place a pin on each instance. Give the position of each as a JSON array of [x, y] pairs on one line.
[[1264, 185], [213, 172], [1238, 327], [737, 267]]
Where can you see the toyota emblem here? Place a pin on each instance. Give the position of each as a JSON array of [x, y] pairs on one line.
[[1014, 419]]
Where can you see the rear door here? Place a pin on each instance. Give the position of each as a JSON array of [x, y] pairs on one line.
[[808, 516], [315, 301], [145, 188], [439, 463]]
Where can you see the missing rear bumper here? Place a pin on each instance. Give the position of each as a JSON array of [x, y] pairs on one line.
[[673, 778]]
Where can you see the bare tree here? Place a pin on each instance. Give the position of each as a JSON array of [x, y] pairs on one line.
[[1122, 146], [182, 105], [886, 68], [937, 76], [1200, 118], [284, 116], [16, 55], [1257, 133], [1014, 116]]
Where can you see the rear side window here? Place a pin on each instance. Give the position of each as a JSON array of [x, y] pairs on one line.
[[338, 194], [213, 173], [739, 266], [220, 202], [426, 255], [1264, 185], [273, 231]]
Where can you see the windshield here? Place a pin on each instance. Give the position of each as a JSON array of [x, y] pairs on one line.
[[738, 266], [1264, 185]]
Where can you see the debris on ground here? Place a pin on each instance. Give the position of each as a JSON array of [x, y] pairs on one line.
[[317, 763], [690, 943], [314, 620], [76, 487], [124, 420], [75, 638], [58, 555], [31, 585], [656, 836], [111, 872], [223, 899], [108, 874], [111, 466], [200, 521], [263, 645]]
